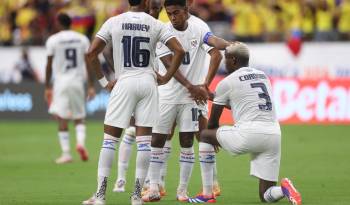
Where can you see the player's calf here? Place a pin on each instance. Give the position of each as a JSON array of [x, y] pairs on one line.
[[187, 160]]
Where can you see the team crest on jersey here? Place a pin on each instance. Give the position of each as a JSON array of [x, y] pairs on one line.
[[194, 43]]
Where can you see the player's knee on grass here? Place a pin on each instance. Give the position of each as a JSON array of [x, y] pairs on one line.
[[186, 139], [158, 140], [209, 136], [113, 131]]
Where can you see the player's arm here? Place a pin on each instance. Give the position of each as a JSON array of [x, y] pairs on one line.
[[215, 60], [95, 49], [215, 41], [215, 114], [91, 89], [178, 55], [108, 54], [198, 94], [221, 99], [48, 76]]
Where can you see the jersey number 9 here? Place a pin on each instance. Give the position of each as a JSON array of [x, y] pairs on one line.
[[71, 57]]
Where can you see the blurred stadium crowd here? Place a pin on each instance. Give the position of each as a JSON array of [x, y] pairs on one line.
[[30, 22]]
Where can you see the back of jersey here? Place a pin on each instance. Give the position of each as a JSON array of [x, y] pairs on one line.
[[134, 36], [68, 49], [248, 91]]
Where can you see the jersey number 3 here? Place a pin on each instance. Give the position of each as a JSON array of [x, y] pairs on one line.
[[265, 95], [133, 52]]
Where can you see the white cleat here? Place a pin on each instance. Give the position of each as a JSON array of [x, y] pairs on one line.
[[64, 159], [94, 201], [119, 186], [136, 200], [182, 196]]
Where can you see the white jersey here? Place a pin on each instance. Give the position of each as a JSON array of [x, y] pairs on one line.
[[202, 53], [134, 36], [68, 49], [248, 92], [193, 64]]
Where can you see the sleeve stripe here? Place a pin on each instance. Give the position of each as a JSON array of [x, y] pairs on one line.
[[164, 54], [209, 49], [102, 38], [167, 39], [218, 103]]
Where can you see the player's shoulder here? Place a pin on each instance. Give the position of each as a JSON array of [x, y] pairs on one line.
[[53, 38], [168, 25], [198, 21], [115, 19], [82, 36], [258, 71], [224, 85]]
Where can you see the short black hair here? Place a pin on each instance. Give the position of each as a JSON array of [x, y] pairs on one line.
[[175, 3], [134, 2], [64, 20]]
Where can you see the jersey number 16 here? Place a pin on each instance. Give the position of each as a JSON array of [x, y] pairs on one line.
[[133, 52]]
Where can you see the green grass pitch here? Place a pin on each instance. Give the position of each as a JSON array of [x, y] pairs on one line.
[[316, 158]]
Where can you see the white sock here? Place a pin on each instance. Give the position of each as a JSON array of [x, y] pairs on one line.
[[186, 165], [125, 150], [147, 180], [142, 158], [163, 170], [105, 164], [207, 160], [157, 159], [273, 194], [80, 130], [63, 137], [215, 174]]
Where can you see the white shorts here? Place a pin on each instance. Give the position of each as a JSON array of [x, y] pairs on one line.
[[185, 116], [68, 101], [261, 140], [138, 95], [203, 110]]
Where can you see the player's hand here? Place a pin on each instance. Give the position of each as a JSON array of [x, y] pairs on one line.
[[216, 148], [111, 85], [48, 95], [198, 94], [211, 95], [91, 93]]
